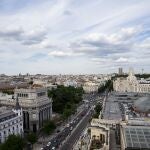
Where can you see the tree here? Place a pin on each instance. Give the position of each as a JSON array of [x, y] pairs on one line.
[[9, 92], [66, 113], [143, 75], [49, 127], [14, 142], [95, 115], [108, 86], [97, 109], [89, 131], [32, 138], [65, 99]]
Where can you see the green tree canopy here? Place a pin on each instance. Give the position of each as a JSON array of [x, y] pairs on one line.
[[13, 143], [49, 127], [97, 109], [32, 138], [65, 99], [107, 86]]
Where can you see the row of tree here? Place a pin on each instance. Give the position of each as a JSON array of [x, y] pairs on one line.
[[137, 75], [9, 92], [107, 86], [16, 142], [65, 99], [49, 127], [97, 109], [143, 75]]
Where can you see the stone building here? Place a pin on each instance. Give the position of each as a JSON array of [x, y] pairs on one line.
[[37, 107], [11, 122], [120, 71], [90, 87], [99, 135], [131, 84]]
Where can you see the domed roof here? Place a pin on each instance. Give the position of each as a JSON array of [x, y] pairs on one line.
[[142, 104]]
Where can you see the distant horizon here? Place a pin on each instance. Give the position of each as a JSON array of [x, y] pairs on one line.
[[72, 73], [74, 36]]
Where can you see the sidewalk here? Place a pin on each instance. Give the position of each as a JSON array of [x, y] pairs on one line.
[[113, 145]]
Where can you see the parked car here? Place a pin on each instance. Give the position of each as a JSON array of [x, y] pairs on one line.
[[49, 143]]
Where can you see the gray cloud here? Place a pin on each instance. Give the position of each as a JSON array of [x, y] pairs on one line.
[[67, 12], [25, 37], [11, 33], [84, 35]]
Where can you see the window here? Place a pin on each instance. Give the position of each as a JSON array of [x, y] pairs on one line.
[[33, 108], [13, 128], [4, 132], [41, 94], [22, 95]]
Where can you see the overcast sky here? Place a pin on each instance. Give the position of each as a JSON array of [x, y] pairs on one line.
[[74, 36]]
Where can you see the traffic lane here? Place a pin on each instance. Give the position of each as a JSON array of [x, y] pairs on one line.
[[55, 142], [76, 134], [68, 145], [63, 136]]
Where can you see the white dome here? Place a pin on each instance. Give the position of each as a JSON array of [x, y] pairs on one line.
[[142, 104]]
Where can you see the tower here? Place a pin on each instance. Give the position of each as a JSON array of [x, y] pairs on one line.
[[17, 108], [120, 71], [131, 72]]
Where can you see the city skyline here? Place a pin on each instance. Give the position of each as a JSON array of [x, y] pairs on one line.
[[74, 36]]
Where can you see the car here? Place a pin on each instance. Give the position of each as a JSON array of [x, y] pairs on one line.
[[53, 148], [49, 143], [42, 148], [68, 125], [71, 128]]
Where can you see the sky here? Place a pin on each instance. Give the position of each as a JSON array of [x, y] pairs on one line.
[[74, 36]]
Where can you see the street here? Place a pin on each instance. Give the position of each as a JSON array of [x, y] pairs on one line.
[[66, 139], [68, 145]]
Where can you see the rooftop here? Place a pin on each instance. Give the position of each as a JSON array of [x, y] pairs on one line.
[[6, 114], [136, 137]]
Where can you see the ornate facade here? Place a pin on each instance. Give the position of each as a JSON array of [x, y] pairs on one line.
[[37, 107], [131, 84], [99, 135], [11, 122], [90, 87]]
